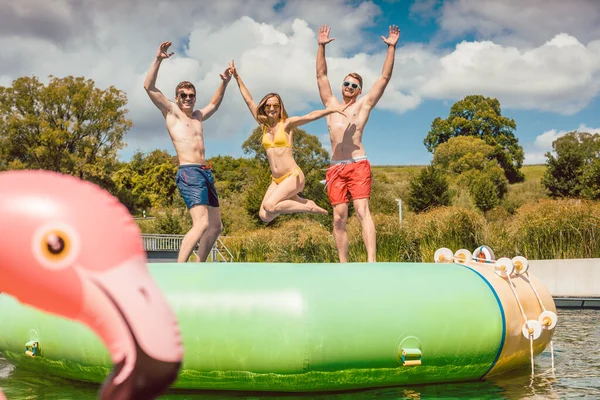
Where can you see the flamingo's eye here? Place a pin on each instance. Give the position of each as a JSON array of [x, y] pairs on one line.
[[56, 246]]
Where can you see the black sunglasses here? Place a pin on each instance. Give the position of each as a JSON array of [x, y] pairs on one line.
[[185, 96], [351, 84]]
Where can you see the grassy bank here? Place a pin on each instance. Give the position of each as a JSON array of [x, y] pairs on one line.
[[527, 223]]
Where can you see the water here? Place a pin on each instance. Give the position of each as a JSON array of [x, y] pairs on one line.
[[576, 360]]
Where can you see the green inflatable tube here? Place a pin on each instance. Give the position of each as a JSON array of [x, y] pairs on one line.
[[308, 327]]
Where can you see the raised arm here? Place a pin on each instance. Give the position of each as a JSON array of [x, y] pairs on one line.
[[243, 89], [380, 84], [159, 99], [215, 102], [293, 122], [322, 79]]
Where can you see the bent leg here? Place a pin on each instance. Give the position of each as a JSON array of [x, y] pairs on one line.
[[199, 215], [285, 200], [264, 215], [340, 218], [215, 227], [368, 227]]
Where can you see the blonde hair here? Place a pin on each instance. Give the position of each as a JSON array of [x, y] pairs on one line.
[[261, 115], [357, 77]]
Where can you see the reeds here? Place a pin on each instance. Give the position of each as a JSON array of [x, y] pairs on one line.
[[556, 229]]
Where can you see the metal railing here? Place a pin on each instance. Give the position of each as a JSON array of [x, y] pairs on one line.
[[158, 242], [154, 242]]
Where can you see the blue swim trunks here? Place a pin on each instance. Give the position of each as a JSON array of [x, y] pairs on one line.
[[197, 185]]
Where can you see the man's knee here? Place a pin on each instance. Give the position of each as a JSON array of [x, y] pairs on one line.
[[362, 210], [339, 220], [216, 229]]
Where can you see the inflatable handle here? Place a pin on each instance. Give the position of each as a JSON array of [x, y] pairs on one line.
[[548, 320], [504, 267], [411, 357], [521, 265], [34, 346], [533, 328]]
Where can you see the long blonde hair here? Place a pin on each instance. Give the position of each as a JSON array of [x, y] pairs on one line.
[[261, 115]]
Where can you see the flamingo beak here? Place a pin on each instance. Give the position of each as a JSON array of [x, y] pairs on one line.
[[129, 312]]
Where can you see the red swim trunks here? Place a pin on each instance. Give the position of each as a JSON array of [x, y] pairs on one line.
[[352, 178]]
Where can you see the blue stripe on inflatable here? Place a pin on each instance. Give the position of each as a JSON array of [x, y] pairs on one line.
[[503, 320]]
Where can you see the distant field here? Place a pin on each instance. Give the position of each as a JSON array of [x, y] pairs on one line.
[[399, 173], [534, 172]]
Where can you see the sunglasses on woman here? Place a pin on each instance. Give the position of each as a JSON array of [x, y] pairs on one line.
[[351, 84]]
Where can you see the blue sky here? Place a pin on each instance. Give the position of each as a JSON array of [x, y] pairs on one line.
[[540, 58]]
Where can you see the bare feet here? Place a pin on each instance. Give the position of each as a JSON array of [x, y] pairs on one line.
[[315, 209]]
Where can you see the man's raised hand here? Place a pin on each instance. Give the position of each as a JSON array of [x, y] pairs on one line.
[[163, 51], [324, 35], [392, 39]]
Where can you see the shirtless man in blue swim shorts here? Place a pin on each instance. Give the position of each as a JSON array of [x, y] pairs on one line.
[[194, 179]]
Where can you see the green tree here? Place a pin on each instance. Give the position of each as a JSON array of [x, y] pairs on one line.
[[68, 126], [463, 153], [147, 181], [481, 117], [575, 170], [484, 193], [428, 190], [232, 173], [470, 161]]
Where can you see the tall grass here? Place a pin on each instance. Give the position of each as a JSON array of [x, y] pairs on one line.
[[298, 241], [452, 227], [526, 224], [556, 229]]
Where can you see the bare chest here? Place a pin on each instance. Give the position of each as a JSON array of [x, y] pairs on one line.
[[185, 126], [351, 118]]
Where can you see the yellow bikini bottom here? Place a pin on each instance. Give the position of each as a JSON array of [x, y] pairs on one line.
[[295, 172]]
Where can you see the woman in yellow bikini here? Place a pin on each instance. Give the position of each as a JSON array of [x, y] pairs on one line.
[[287, 178]]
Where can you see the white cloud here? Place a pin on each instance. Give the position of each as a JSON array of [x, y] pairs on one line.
[[274, 46], [113, 43], [518, 22], [535, 154], [562, 75]]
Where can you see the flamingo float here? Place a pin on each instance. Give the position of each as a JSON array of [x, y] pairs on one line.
[[69, 248]]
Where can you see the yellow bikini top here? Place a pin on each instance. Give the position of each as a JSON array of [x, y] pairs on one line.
[[280, 139]]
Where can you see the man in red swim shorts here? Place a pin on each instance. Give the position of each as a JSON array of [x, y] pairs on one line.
[[350, 172]]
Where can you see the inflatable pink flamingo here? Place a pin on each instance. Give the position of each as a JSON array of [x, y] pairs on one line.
[[69, 248]]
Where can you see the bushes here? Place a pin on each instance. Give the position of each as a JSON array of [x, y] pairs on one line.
[[525, 224], [428, 190], [556, 229], [451, 227], [307, 241]]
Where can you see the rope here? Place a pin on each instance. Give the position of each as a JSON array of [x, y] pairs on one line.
[[534, 291], [517, 297], [531, 347], [552, 355], [525, 319]]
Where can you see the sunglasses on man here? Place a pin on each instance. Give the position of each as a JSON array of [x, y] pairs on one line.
[[351, 84], [184, 96]]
